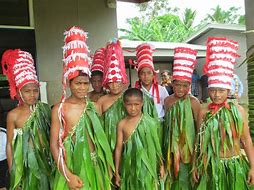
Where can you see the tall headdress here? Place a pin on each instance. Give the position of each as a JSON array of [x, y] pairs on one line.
[[114, 70], [19, 68], [184, 63], [221, 57], [75, 60], [98, 60], [75, 55], [144, 55]]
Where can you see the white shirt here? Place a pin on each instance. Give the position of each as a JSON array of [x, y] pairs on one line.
[[163, 94], [3, 141]]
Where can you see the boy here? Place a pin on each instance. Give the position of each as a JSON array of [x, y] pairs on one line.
[[138, 150], [28, 153], [77, 140], [166, 77], [111, 105], [148, 80], [179, 127], [97, 75], [218, 161]]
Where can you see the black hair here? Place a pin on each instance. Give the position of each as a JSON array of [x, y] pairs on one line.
[[132, 92], [80, 73], [96, 73]]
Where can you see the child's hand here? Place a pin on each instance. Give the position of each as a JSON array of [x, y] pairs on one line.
[[118, 180], [162, 171], [195, 175], [250, 179], [75, 182]]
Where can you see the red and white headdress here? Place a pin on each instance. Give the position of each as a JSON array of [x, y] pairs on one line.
[[19, 68], [98, 60], [221, 57], [75, 55], [184, 63], [144, 54], [75, 59], [114, 70]]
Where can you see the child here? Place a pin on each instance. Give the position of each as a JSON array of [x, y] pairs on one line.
[[148, 80], [111, 105], [138, 150], [78, 142], [97, 75], [28, 154], [179, 127], [218, 162]]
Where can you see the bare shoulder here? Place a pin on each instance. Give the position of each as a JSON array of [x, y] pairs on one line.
[[55, 108], [194, 100], [169, 100], [203, 111], [104, 98], [122, 122], [13, 114], [241, 109]]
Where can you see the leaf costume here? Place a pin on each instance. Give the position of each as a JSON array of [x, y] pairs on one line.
[[141, 153], [221, 132], [149, 106], [91, 167], [32, 164], [115, 113], [178, 144]]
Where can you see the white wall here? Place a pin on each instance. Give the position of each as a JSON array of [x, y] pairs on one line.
[[51, 18]]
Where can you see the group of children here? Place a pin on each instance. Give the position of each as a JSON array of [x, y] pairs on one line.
[[139, 138]]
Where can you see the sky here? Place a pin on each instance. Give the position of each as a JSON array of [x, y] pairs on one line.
[[129, 10]]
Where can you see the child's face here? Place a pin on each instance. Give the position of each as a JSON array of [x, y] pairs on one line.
[[30, 93], [115, 87], [133, 105], [165, 77], [218, 95], [79, 86], [181, 88], [96, 82], [146, 76]]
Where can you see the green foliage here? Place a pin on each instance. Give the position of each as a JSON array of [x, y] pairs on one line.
[[160, 22], [230, 16], [167, 28]]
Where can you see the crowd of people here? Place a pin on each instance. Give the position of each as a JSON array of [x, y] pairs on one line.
[[152, 136]]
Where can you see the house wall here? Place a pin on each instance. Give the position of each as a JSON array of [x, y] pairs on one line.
[[240, 71], [52, 18]]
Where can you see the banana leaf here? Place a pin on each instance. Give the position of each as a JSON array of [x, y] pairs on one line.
[[141, 156], [179, 136], [33, 166], [91, 167], [217, 173]]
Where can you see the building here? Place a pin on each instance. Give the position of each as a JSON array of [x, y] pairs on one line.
[[231, 31]]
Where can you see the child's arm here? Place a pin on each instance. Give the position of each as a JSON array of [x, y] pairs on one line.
[[118, 152], [74, 182], [10, 134], [195, 105], [248, 146], [195, 175]]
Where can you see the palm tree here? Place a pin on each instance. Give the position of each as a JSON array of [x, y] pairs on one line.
[[218, 15], [230, 16], [189, 17]]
